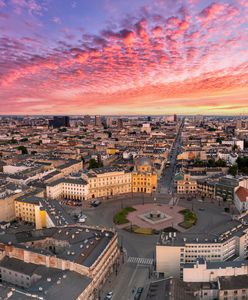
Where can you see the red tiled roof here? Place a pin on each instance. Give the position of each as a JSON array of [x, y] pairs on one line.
[[242, 194]]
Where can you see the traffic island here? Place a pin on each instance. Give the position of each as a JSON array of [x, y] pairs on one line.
[[190, 218], [120, 218]]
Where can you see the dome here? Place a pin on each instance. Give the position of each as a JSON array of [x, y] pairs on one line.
[[144, 161]]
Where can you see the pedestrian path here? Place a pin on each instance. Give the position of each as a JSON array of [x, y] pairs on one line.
[[140, 260], [174, 201]]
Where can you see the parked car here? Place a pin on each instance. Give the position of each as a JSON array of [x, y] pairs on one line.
[[95, 203], [109, 296], [138, 293], [82, 220]]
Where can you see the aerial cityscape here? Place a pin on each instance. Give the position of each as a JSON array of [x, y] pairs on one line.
[[123, 150]]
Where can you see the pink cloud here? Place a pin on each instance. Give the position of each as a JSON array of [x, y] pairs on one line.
[[153, 60]]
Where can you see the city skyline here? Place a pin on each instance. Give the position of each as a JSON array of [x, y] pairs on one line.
[[123, 58]]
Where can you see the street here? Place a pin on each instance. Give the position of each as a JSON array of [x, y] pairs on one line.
[[166, 182]]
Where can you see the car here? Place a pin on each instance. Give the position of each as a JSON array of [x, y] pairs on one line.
[[81, 215], [82, 220], [109, 295], [95, 203], [140, 290]]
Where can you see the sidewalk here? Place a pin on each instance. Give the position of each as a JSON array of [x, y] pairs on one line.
[[112, 280]]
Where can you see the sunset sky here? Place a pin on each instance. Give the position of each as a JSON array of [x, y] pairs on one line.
[[123, 57]]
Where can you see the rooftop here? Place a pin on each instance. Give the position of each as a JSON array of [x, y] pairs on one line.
[[83, 244], [18, 266], [233, 282], [53, 283], [242, 194]]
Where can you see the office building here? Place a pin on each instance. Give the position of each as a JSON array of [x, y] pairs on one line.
[[98, 121], [60, 121], [120, 124], [87, 120], [226, 243]]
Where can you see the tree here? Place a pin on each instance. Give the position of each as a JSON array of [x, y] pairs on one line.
[[219, 140], [242, 163], [233, 170], [13, 141], [23, 149], [24, 140], [220, 163], [64, 129], [93, 164]]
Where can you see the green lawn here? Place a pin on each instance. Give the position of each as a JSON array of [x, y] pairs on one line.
[[190, 218], [140, 230], [121, 216]]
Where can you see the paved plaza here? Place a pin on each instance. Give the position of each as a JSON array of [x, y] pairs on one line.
[[169, 216]]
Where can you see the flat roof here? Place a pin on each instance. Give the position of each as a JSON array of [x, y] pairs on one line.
[[18, 266], [83, 244], [233, 282], [53, 284], [68, 180], [218, 264], [217, 235]]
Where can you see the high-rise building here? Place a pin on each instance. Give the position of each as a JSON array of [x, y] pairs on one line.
[[120, 124], [60, 121], [146, 128], [239, 124], [98, 121], [175, 118], [169, 119], [87, 120], [109, 121]]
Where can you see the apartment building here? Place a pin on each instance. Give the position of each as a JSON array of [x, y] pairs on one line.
[[204, 271], [233, 287], [241, 198], [68, 188], [43, 213], [70, 166], [84, 254], [206, 187], [16, 272], [27, 209]]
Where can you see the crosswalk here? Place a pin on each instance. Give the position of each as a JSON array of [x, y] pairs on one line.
[[140, 260], [174, 201]]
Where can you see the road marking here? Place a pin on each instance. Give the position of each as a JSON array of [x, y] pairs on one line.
[[140, 260], [132, 277]]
